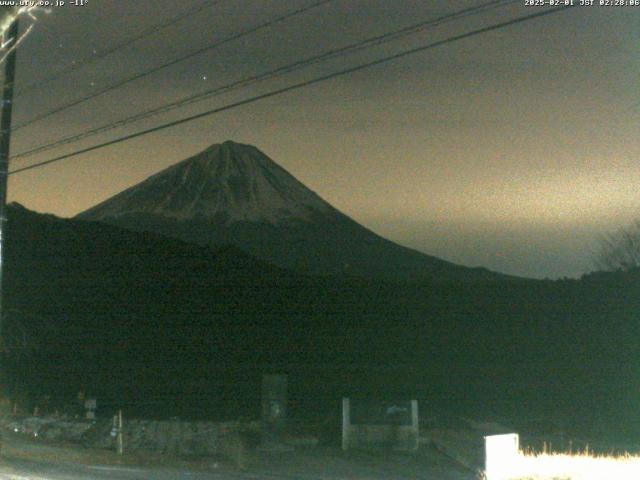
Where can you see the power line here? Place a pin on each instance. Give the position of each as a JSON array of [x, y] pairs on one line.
[[105, 53], [297, 86], [271, 74], [175, 61]]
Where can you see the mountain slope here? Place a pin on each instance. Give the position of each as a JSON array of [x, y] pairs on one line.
[[165, 328], [234, 194]]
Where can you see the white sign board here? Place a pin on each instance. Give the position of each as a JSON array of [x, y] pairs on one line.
[[501, 455]]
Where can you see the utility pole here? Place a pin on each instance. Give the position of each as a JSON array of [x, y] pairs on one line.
[[5, 142]]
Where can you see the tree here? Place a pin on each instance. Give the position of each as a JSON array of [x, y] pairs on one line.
[[620, 250]]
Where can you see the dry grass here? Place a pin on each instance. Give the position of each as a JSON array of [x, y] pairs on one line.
[[570, 466]]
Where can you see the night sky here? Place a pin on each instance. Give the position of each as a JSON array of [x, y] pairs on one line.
[[514, 149]]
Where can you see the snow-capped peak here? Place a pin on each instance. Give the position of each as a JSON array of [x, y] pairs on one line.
[[227, 182]]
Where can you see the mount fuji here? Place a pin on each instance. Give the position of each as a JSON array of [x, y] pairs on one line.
[[233, 194]]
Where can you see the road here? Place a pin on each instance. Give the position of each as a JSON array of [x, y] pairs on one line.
[[33, 461], [20, 469]]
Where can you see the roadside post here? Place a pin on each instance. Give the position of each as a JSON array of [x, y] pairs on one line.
[[117, 432]]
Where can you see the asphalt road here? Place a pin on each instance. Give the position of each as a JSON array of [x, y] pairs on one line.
[[20, 469], [34, 461]]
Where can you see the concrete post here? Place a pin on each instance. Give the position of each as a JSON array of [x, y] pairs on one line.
[[346, 423], [120, 437]]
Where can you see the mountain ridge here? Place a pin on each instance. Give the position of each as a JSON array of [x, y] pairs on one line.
[[233, 194]]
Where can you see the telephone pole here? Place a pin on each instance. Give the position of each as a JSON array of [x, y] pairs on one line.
[[5, 142]]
